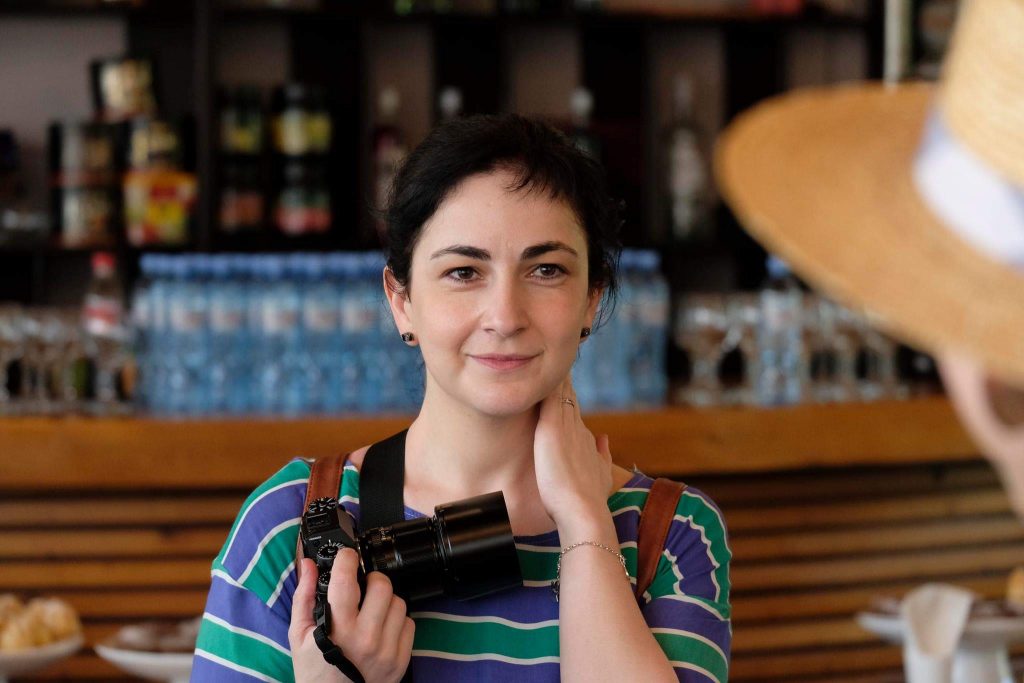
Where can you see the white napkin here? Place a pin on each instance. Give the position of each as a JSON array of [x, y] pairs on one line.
[[934, 616]]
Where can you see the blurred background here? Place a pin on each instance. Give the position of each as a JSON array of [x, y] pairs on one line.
[[190, 294]]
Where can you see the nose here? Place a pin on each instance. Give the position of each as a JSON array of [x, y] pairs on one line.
[[505, 308]]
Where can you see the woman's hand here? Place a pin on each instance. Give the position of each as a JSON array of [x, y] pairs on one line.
[[574, 470], [376, 638]]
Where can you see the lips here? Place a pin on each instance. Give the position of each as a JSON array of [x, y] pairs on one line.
[[503, 362]]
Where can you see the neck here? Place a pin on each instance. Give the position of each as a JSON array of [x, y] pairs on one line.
[[451, 447]]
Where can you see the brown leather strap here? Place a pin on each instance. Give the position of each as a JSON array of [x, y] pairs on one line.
[[655, 519], [324, 482]]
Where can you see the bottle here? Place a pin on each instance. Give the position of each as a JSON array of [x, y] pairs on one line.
[[320, 325], [449, 103], [780, 338], [687, 178], [582, 106], [649, 318], [103, 320], [389, 148], [227, 333]]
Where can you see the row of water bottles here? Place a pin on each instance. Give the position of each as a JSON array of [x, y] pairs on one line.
[[270, 334], [623, 364]]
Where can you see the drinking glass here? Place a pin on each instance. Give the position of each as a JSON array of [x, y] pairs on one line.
[[700, 329]]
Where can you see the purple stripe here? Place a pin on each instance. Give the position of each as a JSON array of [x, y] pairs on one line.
[[267, 513], [692, 560], [526, 605], [205, 671], [669, 613], [690, 676], [242, 608], [454, 671]]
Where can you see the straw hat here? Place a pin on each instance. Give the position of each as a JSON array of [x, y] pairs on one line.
[[905, 200]]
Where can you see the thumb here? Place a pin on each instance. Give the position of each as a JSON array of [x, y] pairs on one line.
[[604, 446], [302, 603]]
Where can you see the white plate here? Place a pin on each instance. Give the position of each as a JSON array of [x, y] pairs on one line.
[[984, 632], [27, 661], [156, 666]]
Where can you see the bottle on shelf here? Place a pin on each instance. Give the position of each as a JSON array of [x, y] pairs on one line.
[[582, 106], [780, 338], [389, 148], [449, 103], [686, 172], [106, 331]]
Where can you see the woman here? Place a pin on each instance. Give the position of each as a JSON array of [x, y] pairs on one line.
[[502, 244]]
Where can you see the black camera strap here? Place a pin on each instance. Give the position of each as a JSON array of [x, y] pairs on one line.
[[382, 482]]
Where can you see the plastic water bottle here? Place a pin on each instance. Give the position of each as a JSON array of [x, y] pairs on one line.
[[649, 315], [227, 368], [780, 339], [320, 324]]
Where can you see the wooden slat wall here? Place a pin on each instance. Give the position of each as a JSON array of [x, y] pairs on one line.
[[810, 549]]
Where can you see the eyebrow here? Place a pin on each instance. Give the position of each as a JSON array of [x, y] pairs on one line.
[[484, 255]]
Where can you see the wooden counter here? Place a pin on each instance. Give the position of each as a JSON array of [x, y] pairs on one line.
[[80, 453]]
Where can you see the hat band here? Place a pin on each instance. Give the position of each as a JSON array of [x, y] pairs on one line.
[[976, 202]]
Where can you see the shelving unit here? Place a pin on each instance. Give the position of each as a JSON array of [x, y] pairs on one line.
[[334, 46]]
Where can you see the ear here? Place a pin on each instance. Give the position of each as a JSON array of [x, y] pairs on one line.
[[398, 301], [593, 301]]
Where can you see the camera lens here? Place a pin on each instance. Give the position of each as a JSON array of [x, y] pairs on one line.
[[465, 551], [480, 552]]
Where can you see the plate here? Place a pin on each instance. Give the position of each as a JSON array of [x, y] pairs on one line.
[[983, 632], [156, 666], [26, 661]]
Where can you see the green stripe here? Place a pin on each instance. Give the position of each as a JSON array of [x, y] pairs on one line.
[[297, 469], [683, 648], [276, 555], [541, 566], [473, 638], [239, 648], [706, 516]]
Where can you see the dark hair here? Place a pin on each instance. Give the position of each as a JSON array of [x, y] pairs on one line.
[[541, 157]]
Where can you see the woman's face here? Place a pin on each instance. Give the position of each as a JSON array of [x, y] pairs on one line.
[[498, 273]]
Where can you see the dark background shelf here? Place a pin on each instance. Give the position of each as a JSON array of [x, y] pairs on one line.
[[331, 46]]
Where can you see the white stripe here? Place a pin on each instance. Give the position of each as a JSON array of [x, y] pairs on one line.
[[628, 508], [718, 516], [707, 544], [280, 584], [263, 544], [484, 657], [235, 667], [695, 636], [693, 601], [484, 620], [547, 584], [693, 667], [231, 541], [226, 577], [247, 633]]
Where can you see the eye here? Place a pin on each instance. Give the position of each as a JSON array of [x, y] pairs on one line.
[[554, 269], [463, 270]]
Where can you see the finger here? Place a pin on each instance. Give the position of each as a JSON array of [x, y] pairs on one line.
[[571, 393], [302, 603], [343, 590], [379, 594], [391, 631], [405, 642], [604, 446]]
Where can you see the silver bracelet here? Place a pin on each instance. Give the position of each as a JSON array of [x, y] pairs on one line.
[[558, 568]]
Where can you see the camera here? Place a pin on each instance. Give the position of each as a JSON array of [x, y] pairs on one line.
[[465, 551]]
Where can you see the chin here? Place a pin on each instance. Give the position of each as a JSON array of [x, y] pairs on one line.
[[504, 401]]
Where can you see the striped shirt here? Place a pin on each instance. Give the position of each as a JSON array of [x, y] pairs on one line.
[[509, 636]]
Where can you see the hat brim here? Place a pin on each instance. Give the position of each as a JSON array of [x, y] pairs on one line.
[[822, 178]]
